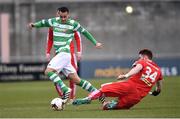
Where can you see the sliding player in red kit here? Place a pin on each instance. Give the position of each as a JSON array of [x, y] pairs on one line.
[[132, 88], [77, 38]]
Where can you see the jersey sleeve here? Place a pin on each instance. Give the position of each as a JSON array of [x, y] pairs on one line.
[[44, 23], [49, 40], [79, 28], [77, 38], [141, 62]]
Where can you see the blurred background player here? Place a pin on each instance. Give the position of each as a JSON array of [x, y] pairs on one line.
[[74, 60], [63, 33], [139, 81]]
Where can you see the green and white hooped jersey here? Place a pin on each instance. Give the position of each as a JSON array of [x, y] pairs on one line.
[[63, 33]]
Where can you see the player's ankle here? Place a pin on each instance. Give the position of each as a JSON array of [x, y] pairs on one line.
[[95, 95]]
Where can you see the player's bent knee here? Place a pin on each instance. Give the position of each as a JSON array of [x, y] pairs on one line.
[[75, 78], [48, 70]]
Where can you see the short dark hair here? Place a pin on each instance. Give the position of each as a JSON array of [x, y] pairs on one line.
[[63, 9], [146, 52]]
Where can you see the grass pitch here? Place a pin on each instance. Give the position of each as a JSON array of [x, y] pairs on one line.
[[32, 100]]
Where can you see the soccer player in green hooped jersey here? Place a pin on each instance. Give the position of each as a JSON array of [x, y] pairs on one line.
[[63, 33]]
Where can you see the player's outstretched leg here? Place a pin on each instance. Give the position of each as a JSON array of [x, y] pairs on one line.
[[58, 88], [97, 94], [86, 85], [82, 83], [81, 101], [56, 79]]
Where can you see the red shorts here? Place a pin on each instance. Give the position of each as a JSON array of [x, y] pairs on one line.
[[125, 91]]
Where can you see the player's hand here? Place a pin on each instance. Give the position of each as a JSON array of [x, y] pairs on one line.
[[30, 25], [121, 77], [48, 56], [154, 93], [99, 45], [79, 54]]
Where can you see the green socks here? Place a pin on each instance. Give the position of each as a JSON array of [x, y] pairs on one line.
[[56, 79], [83, 83], [87, 85]]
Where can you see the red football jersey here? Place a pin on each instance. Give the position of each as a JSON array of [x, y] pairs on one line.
[[147, 77]]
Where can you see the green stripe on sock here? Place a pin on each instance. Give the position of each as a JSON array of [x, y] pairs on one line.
[[63, 87], [91, 89], [81, 82], [56, 79], [84, 85], [49, 74]]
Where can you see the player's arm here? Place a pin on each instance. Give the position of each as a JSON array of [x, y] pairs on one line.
[[42, 23], [133, 71], [87, 34], [157, 91], [49, 43], [77, 38]]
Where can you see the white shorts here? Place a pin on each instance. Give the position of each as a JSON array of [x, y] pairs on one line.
[[62, 62]]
